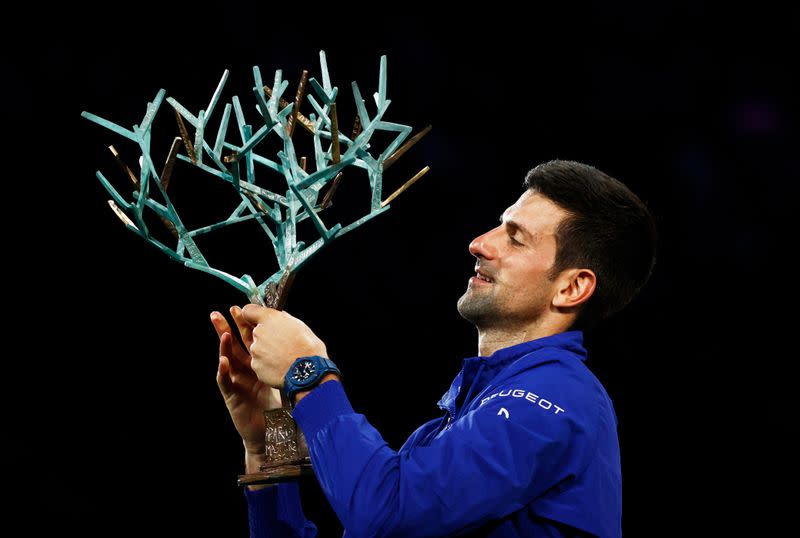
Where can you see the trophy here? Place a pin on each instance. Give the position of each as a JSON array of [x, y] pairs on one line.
[[276, 213]]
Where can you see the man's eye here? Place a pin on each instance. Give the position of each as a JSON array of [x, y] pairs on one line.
[[514, 241]]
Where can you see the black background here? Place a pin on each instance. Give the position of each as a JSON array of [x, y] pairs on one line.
[[111, 357]]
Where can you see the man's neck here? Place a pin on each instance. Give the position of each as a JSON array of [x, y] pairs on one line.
[[491, 339]]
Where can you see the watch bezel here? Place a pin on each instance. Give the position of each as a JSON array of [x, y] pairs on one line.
[[310, 379], [323, 366]]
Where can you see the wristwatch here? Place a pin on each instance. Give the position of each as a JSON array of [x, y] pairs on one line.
[[306, 372]]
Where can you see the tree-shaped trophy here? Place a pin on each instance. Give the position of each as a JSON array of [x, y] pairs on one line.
[[277, 214]]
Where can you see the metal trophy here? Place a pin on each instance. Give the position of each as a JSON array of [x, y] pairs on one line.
[[277, 214]]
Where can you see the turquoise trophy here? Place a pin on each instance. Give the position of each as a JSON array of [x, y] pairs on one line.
[[234, 154]]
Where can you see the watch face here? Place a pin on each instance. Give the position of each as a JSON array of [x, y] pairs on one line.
[[303, 370]]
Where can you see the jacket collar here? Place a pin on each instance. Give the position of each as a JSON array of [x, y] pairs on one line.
[[479, 370], [569, 340]]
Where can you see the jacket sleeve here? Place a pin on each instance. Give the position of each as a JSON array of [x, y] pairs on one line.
[[276, 512], [488, 464]]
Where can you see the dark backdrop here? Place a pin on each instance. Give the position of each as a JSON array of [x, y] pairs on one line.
[[112, 358]]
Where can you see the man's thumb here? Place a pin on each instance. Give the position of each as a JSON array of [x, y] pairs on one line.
[[254, 314]]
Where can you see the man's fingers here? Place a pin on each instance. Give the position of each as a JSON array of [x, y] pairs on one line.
[[245, 328], [241, 360], [220, 323], [225, 345], [224, 380]]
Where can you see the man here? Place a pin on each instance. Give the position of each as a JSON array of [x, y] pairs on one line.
[[528, 444]]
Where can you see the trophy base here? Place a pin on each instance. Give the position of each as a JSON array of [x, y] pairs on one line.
[[286, 451], [274, 475]]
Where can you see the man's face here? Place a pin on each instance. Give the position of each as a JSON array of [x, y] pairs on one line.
[[516, 257]]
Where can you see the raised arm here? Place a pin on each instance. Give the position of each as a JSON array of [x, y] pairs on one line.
[[487, 464]]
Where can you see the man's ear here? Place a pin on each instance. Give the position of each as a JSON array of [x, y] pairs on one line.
[[574, 287]]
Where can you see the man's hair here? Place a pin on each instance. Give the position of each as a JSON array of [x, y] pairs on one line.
[[608, 230]]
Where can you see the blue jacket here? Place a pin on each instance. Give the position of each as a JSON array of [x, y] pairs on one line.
[[527, 447]]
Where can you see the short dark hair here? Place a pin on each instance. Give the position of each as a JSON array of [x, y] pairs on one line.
[[609, 230]]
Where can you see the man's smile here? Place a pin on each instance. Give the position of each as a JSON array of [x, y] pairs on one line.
[[482, 277]]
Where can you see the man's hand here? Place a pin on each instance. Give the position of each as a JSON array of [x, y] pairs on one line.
[[245, 396], [277, 340]]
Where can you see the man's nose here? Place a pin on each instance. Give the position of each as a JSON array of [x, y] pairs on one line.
[[481, 247]]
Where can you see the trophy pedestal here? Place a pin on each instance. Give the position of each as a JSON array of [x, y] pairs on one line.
[[286, 451], [280, 473]]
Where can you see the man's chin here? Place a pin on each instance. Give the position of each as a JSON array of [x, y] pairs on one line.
[[476, 310]]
